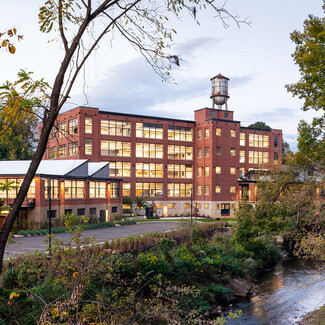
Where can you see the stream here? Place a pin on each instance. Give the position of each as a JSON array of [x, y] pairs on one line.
[[292, 289]]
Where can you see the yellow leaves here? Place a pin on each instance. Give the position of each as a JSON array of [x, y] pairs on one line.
[[75, 274], [12, 296], [6, 43]]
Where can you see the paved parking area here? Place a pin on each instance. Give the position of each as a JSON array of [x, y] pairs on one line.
[[33, 243]]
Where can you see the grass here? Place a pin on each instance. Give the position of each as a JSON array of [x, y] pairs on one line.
[[316, 317]]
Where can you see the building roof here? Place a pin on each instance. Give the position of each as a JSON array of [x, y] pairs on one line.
[[73, 168]]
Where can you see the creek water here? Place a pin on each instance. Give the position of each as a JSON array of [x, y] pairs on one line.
[[292, 289]]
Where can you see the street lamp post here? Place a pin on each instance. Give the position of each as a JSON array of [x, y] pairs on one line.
[[191, 206], [49, 192]]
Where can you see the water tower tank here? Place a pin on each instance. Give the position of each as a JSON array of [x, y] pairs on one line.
[[219, 93]]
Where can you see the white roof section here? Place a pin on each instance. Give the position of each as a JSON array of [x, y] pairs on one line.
[[72, 168]]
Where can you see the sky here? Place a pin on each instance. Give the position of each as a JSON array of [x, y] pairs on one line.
[[255, 57]]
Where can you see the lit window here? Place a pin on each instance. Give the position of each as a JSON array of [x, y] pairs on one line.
[[88, 147], [73, 148], [242, 171], [62, 151], [233, 170], [179, 152], [149, 189], [179, 190], [115, 190], [206, 152], [206, 133], [199, 171], [225, 209], [52, 133], [52, 153], [206, 171], [149, 170], [232, 152], [206, 189], [120, 169], [97, 190], [171, 205], [218, 189], [199, 190], [115, 148], [126, 189], [54, 190], [180, 133], [242, 156], [74, 189], [148, 130], [118, 128], [218, 170], [233, 133], [179, 171], [206, 205], [88, 125], [218, 131], [232, 189], [258, 157], [199, 134], [259, 140], [242, 139], [62, 130], [218, 151]]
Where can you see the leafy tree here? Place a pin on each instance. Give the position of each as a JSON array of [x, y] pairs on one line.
[[81, 26], [127, 200], [5, 41], [309, 55], [260, 125]]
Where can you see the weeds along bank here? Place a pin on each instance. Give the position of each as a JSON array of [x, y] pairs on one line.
[[166, 278]]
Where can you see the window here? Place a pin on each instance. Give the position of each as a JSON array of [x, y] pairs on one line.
[[227, 115], [180, 171], [73, 126], [149, 150], [102, 215], [218, 189], [149, 189], [53, 214], [120, 169], [206, 133], [233, 133], [114, 209], [180, 133], [88, 147], [179, 190], [88, 125], [242, 156], [115, 148], [199, 190], [93, 212], [52, 133], [233, 170], [199, 134], [97, 190], [180, 152], [219, 151], [149, 131], [74, 189], [54, 190], [206, 171], [276, 156], [199, 152], [67, 211], [52, 153], [232, 152], [242, 139], [159, 205], [149, 170], [206, 205], [212, 113], [73, 148], [118, 128], [171, 205], [206, 152], [206, 189], [218, 131], [62, 151], [218, 170], [62, 130], [258, 157], [81, 212], [187, 205], [126, 189], [115, 190], [242, 171], [232, 189], [258, 140], [199, 171], [276, 141], [225, 209]]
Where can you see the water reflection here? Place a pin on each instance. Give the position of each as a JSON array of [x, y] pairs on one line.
[[290, 290]]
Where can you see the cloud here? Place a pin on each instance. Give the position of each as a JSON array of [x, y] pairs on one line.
[[192, 46]]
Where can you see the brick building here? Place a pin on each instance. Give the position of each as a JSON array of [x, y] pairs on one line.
[[76, 186], [168, 159]]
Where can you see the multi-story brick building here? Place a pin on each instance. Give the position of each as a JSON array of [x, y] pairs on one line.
[[168, 160]]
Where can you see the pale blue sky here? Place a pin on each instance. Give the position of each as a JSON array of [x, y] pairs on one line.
[[256, 58]]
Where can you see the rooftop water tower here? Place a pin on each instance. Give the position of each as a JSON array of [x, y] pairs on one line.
[[219, 91]]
